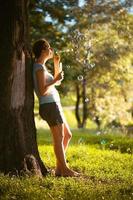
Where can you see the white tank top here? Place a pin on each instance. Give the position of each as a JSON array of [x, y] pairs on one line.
[[53, 95]]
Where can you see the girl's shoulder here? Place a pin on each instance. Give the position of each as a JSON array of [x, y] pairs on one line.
[[37, 66]]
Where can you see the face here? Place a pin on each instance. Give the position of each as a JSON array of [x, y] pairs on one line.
[[48, 52]]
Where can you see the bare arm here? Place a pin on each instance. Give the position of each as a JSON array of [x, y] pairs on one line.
[[41, 81]]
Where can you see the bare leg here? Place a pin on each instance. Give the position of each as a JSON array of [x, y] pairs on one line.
[[67, 133], [58, 135], [66, 140], [58, 138], [67, 136]]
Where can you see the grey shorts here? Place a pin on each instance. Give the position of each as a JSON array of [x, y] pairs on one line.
[[51, 113]]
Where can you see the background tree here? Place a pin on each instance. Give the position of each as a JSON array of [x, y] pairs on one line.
[[101, 21], [18, 145], [110, 44]]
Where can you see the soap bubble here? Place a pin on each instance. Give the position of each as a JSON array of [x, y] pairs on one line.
[[111, 145], [80, 77], [98, 133], [63, 51], [128, 150], [68, 67], [92, 65], [84, 61], [103, 142], [89, 66], [87, 100], [94, 118], [130, 100]]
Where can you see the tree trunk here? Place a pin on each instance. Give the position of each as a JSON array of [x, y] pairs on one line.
[[84, 119], [77, 114], [81, 116], [18, 145]]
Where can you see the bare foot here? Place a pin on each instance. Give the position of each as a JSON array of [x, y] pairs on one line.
[[69, 173]]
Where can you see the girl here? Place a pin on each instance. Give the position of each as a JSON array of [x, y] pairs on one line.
[[50, 108]]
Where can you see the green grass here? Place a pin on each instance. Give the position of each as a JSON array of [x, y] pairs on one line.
[[106, 173], [105, 162]]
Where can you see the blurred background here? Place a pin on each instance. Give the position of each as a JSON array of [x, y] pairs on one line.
[[94, 39]]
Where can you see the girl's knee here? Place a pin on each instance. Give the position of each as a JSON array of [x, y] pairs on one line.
[[68, 135]]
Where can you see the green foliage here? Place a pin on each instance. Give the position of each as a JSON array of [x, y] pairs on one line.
[[111, 77], [107, 26]]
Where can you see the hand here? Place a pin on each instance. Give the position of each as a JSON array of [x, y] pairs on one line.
[[60, 76]]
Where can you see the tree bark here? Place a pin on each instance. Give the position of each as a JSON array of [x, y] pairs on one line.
[[18, 145], [81, 117], [77, 114], [84, 118]]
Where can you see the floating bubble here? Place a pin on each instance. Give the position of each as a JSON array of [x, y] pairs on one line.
[[87, 100], [94, 118], [80, 77], [128, 150], [98, 133], [92, 65], [103, 142], [76, 47], [65, 51], [84, 61], [68, 50], [99, 182], [130, 100], [89, 66], [68, 67], [111, 145]]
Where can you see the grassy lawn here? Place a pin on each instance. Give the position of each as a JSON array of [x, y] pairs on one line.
[[107, 171], [105, 162]]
